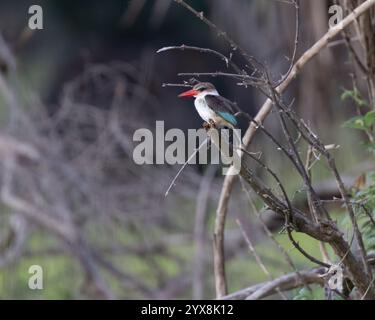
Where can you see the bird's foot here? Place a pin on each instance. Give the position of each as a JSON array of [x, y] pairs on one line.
[[209, 125], [212, 123]]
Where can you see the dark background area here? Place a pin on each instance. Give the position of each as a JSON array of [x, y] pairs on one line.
[[78, 33]]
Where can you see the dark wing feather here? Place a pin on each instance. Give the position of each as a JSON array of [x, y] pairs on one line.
[[223, 107], [220, 104]]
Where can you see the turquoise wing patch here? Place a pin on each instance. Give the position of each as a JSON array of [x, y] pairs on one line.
[[228, 117]]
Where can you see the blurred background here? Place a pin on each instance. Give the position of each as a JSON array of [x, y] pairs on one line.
[[72, 95]]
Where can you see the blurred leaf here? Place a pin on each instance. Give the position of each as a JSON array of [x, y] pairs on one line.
[[306, 294], [367, 197], [369, 118], [360, 182], [357, 122], [361, 122], [355, 96], [369, 145]]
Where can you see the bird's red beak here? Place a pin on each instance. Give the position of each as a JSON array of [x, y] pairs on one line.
[[189, 93]]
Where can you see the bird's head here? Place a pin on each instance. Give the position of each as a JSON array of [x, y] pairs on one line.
[[201, 88]]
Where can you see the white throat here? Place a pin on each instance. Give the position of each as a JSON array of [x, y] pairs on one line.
[[201, 106]]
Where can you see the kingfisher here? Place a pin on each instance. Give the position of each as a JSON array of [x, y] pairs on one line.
[[211, 106]]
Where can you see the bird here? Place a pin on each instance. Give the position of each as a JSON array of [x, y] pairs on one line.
[[214, 109]]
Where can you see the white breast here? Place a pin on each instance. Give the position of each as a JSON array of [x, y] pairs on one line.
[[204, 111]]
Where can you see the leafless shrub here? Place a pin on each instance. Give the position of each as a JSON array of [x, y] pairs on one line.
[[317, 223], [69, 171]]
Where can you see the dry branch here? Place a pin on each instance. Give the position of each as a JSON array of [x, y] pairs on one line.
[[324, 230], [285, 283], [267, 106]]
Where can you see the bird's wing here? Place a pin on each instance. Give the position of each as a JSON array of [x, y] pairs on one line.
[[223, 107]]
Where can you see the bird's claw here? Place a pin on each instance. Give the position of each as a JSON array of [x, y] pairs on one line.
[[206, 126], [209, 125], [212, 123]]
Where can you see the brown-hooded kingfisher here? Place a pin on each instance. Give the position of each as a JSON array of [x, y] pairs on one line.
[[212, 107]]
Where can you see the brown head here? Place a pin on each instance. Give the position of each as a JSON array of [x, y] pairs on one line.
[[200, 87]]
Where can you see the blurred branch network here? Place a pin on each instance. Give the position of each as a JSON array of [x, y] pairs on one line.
[[71, 175]]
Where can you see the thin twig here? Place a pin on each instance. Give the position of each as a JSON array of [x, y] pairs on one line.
[[172, 184], [258, 258]]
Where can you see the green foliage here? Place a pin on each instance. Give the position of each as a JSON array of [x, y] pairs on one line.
[[366, 211], [369, 146], [365, 120], [316, 293], [365, 196], [354, 95]]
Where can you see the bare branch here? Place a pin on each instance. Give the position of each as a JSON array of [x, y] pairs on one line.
[[267, 106], [287, 282]]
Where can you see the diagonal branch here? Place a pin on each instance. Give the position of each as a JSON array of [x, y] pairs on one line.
[[286, 282], [267, 106]]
